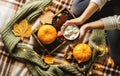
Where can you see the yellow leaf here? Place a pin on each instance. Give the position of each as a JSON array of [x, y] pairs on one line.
[[48, 59], [22, 29]]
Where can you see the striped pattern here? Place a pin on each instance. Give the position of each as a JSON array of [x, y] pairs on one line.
[[103, 68], [16, 4], [59, 4], [11, 67], [8, 65]]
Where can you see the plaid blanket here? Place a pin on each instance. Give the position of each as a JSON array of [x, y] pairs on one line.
[[11, 67], [8, 65]]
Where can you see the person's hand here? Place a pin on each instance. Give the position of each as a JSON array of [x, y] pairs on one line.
[[83, 30], [75, 21], [84, 33], [99, 24]]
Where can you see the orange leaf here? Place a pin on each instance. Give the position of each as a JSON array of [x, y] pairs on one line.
[[48, 59]]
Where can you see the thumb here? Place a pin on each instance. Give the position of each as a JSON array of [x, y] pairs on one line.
[[82, 33], [87, 36]]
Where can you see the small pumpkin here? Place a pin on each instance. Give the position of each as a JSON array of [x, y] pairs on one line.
[[82, 52], [47, 34]]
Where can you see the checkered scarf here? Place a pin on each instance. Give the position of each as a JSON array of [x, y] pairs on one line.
[[11, 67]]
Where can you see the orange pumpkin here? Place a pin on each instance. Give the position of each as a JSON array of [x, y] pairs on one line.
[[82, 52], [47, 34]]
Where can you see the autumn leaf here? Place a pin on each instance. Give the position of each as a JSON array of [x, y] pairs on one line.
[[48, 59], [22, 29], [68, 52]]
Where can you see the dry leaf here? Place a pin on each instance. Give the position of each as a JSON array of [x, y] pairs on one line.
[[22, 29], [47, 17], [48, 59], [68, 53], [66, 62]]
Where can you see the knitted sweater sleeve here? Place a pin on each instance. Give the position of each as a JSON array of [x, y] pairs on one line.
[[100, 3], [111, 22]]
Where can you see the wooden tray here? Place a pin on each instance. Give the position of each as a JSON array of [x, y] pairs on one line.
[[58, 20]]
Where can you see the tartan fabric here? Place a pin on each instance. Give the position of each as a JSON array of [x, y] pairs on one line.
[[11, 67], [102, 67], [59, 4], [8, 65]]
